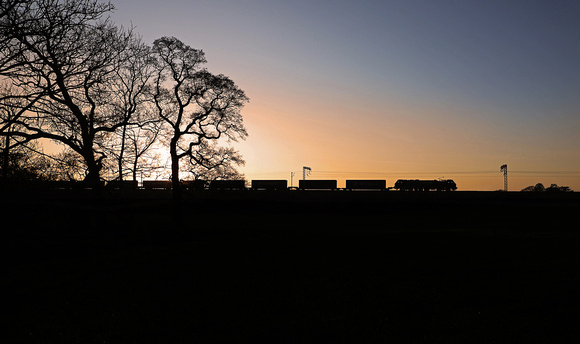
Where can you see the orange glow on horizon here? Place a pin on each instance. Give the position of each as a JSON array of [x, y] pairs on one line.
[[402, 143]]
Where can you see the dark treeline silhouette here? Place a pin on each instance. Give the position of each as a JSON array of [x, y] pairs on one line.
[[541, 188], [115, 105]]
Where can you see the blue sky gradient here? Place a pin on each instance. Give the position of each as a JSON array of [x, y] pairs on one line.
[[394, 89]]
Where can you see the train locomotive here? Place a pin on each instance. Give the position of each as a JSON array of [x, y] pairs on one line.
[[425, 185]]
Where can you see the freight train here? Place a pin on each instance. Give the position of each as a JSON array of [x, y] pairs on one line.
[[269, 185], [310, 184]]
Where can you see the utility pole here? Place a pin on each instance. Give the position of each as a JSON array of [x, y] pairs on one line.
[[305, 173], [503, 169]]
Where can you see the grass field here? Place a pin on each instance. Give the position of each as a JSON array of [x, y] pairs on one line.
[[291, 267]]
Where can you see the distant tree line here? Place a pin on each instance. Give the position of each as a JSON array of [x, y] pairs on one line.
[[541, 188], [114, 104]]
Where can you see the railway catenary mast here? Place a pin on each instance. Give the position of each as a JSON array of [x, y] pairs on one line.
[[503, 169], [304, 173]]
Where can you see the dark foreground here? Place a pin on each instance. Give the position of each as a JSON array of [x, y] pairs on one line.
[[291, 268]]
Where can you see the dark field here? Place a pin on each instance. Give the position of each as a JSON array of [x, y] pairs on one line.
[[291, 267]]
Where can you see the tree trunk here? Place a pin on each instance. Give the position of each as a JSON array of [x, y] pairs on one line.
[[121, 154], [92, 179], [175, 169], [6, 158], [135, 168]]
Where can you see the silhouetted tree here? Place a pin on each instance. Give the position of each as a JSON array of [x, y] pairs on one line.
[[22, 165], [196, 106], [535, 188], [10, 110], [20, 158], [556, 188], [77, 79], [63, 56], [132, 100]]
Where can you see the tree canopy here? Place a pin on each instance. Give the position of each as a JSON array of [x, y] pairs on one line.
[[70, 75]]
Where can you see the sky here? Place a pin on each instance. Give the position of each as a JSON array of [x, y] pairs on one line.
[[392, 89]]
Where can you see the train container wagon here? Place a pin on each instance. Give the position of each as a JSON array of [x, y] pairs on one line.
[[366, 184], [230, 184], [123, 184], [194, 185], [270, 185], [157, 184], [317, 184]]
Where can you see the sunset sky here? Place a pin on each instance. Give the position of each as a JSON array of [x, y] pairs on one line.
[[393, 89]]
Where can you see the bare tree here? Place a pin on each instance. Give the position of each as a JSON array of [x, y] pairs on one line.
[[197, 106], [64, 55], [131, 100], [18, 154], [9, 111], [23, 165]]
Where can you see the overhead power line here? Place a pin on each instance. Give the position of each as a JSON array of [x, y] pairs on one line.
[[571, 173], [420, 174]]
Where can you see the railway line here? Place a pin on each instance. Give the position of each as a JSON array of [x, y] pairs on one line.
[[263, 185]]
